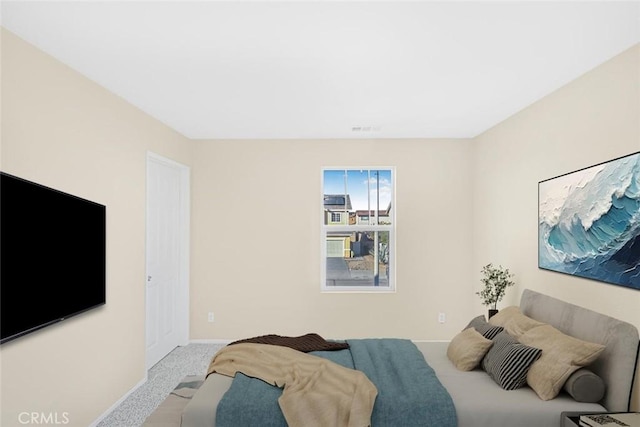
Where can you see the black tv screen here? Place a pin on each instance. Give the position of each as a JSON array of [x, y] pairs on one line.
[[52, 256]]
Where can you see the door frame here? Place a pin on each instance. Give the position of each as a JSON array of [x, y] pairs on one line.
[[182, 302]]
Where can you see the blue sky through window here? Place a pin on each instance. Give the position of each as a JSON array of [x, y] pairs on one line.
[[379, 181]]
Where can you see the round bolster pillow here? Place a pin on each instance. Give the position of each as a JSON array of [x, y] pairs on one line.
[[585, 386]]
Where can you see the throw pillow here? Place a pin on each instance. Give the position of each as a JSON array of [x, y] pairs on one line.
[[514, 322], [487, 330], [508, 361], [585, 386], [562, 355], [476, 320], [467, 349]]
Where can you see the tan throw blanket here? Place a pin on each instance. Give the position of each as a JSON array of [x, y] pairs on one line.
[[316, 392]]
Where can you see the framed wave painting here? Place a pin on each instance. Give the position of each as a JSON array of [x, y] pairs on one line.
[[589, 222]]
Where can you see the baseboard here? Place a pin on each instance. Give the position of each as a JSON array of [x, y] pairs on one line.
[[122, 399]]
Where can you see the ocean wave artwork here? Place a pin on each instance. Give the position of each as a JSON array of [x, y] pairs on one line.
[[589, 222]]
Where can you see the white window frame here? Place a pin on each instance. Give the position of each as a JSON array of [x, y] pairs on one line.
[[390, 228]]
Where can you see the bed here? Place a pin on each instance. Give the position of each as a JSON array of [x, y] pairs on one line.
[[478, 400]]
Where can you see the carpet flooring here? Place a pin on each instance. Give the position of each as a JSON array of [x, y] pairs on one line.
[[163, 378]]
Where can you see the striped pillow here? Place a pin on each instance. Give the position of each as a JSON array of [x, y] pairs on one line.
[[508, 361], [487, 330]]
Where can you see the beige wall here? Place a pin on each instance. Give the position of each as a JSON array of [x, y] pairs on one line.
[[256, 239], [460, 204], [64, 131], [593, 119]]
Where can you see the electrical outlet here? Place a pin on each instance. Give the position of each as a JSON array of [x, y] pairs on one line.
[[441, 317], [210, 317]]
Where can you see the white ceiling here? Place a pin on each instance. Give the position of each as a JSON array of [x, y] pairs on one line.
[[328, 69]]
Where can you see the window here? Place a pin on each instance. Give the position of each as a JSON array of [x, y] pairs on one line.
[[358, 229]]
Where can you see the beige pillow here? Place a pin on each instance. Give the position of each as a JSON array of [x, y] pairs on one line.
[[513, 321], [467, 349], [562, 355]]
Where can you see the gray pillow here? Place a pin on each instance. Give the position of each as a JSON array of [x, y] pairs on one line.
[[585, 386], [486, 330], [476, 321], [508, 361]]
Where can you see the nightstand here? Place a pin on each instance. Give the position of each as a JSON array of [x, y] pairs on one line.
[[572, 419]]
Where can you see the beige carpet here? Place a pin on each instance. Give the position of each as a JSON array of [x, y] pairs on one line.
[[169, 413]]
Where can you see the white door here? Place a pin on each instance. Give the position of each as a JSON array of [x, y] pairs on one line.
[[167, 305]]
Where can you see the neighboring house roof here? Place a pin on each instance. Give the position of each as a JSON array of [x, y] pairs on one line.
[[337, 202]]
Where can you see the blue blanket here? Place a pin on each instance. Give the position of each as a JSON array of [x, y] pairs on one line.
[[409, 393]]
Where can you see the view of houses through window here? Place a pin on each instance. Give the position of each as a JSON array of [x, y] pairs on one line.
[[358, 229]]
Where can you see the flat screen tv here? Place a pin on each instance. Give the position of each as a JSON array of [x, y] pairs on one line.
[[52, 256]]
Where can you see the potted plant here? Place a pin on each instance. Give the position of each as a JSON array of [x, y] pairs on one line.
[[496, 280]]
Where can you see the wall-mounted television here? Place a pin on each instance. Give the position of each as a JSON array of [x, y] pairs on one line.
[[52, 256]]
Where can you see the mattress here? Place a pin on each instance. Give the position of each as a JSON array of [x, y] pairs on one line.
[[478, 400]]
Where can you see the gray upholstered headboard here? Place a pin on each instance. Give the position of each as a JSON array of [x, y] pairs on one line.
[[617, 363]]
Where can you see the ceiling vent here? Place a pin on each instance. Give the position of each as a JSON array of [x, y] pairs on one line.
[[365, 129]]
